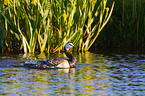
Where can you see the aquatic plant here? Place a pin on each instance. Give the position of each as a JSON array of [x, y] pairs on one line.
[[126, 27], [47, 25]]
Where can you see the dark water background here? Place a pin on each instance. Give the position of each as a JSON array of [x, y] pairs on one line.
[[96, 74]]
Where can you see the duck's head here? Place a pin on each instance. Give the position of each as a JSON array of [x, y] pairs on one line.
[[69, 46]]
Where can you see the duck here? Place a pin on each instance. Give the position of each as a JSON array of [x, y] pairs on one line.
[[56, 62]]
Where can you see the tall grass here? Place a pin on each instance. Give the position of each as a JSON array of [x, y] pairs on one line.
[[126, 28], [47, 25], [136, 21]]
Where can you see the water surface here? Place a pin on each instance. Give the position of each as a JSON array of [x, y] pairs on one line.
[[94, 75]]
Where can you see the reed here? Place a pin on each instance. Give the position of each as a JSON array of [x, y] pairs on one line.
[[136, 19], [126, 27], [47, 25]]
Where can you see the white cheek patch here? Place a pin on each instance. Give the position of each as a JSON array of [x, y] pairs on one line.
[[68, 46]]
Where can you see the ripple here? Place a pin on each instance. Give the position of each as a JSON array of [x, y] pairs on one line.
[[94, 75]]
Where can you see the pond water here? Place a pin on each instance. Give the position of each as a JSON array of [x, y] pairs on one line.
[[94, 75]]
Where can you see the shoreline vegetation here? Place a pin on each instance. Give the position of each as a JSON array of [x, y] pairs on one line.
[[47, 25], [126, 29]]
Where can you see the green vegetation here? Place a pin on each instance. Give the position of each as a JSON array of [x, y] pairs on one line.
[[46, 25], [126, 28]]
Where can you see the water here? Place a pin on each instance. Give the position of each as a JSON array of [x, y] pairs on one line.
[[94, 75]]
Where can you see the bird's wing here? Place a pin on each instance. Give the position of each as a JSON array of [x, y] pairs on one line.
[[51, 63], [56, 61]]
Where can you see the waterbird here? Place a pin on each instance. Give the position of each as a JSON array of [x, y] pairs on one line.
[[56, 62]]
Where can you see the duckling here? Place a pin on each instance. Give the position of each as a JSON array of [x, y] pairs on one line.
[[56, 62]]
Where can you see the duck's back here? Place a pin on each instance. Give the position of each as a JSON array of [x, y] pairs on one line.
[[57, 62]]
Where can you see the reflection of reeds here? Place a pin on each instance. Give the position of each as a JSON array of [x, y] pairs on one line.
[[48, 25]]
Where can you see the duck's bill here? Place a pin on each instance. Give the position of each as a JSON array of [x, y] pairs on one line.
[[74, 47]]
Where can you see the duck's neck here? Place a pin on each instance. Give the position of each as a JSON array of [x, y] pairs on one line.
[[72, 59]]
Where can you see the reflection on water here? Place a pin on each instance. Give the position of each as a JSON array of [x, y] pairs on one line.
[[95, 74]]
